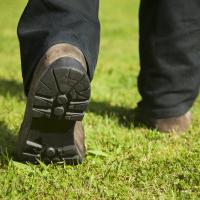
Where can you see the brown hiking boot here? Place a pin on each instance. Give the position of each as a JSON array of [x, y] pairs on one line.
[[174, 124], [59, 94], [169, 125]]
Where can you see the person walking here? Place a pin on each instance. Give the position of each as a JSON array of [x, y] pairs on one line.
[[59, 45]]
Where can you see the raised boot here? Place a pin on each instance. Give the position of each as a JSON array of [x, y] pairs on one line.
[[59, 94]]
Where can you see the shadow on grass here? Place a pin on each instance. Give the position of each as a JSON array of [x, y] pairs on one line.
[[7, 140], [11, 87], [126, 117]]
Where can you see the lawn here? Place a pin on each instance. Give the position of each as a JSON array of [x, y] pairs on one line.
[[123, 161]]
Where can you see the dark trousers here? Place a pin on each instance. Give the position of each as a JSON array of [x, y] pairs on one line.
[[169, 78]]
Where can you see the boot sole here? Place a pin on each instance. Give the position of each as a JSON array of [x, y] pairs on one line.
[[56, 101]]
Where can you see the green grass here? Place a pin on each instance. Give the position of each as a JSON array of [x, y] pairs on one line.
[[122, 162]]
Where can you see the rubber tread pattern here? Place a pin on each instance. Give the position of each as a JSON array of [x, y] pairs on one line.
[[63, 94]]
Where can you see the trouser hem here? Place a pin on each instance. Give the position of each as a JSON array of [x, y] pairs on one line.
[[163, 113]]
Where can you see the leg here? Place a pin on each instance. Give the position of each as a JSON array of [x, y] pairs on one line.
[[48, 22], [59, 48], [169, 51]]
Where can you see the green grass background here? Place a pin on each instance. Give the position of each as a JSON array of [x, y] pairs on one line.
[[122, 162]]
